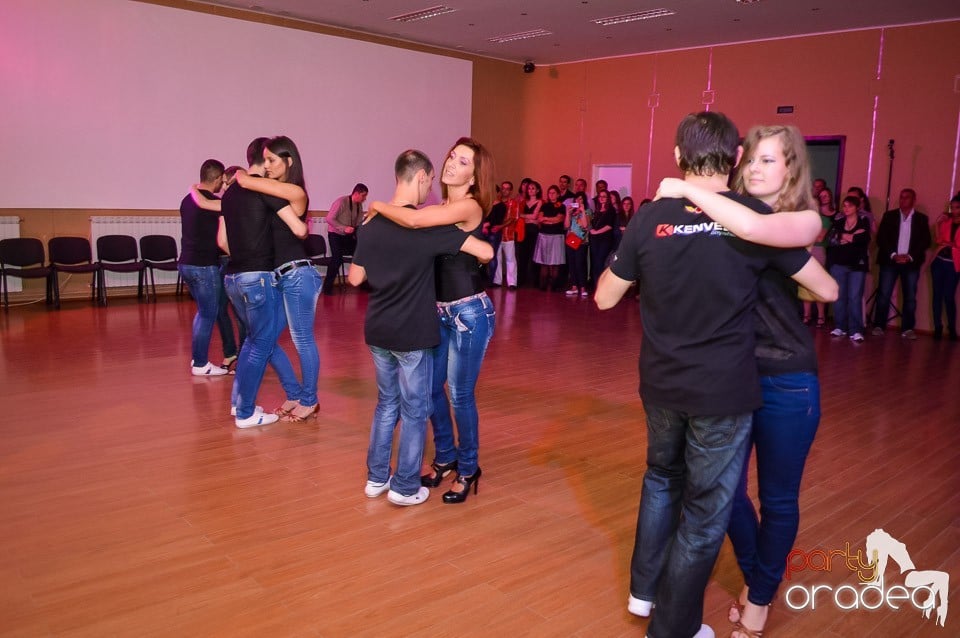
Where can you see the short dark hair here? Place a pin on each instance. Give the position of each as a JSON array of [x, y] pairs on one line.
[[360, 188], [955, 199], [708, 144], [210, 170], [409, 162], [909, 190], [853, 200], [230, 171], [507, 181], [565, 176], [255, 151]]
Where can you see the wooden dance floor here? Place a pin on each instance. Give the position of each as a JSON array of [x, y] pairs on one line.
[[131, 505]]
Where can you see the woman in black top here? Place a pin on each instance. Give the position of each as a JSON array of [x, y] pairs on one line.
[[601, 235], [847, 244], [467, 316], [549, 250], [530, 214]]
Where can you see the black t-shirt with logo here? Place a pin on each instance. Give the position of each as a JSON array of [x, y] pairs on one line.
[[402, 310], [698, 288], [247, 216]]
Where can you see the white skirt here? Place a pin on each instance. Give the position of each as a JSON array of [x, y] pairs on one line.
[[549, 250]]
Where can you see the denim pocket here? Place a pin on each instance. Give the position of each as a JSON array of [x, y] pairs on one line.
[[719, 431], [253, 293]]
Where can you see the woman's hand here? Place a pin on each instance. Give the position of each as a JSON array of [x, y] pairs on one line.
[[671, 187], [243, 178]]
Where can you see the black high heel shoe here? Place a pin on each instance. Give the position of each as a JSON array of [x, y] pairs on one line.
[[467, 482], [440, 472]]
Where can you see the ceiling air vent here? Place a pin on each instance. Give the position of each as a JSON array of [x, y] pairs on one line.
[[633, 17], [432, 12]]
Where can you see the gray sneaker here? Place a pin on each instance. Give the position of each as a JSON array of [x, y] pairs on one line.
[[877, 331], [909, 334]]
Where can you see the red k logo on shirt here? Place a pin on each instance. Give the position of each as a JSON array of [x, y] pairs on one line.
[[664, 230]]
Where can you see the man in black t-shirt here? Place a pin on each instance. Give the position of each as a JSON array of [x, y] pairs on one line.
[[401, 327], [698, 374], [199, 267], [248, 277]]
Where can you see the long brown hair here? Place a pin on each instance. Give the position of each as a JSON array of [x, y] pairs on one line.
[[797, 193], [483, 189]]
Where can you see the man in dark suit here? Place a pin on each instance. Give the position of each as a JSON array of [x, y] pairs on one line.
[[902, 242]]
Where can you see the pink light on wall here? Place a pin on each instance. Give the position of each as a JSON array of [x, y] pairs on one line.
[[876, 110]]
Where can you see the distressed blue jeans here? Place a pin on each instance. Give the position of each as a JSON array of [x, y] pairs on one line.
[[403, 392], [466, 328]]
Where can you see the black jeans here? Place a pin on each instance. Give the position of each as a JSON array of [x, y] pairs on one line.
[[340, 245]]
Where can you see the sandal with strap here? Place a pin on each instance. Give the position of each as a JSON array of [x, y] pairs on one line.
[[293, 417], [283, 410], [739, 631], [821, 322]]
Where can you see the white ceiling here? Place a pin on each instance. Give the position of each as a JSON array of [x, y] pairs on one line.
[[575, 37]]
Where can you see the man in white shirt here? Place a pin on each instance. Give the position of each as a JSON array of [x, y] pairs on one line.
[[902, 242]]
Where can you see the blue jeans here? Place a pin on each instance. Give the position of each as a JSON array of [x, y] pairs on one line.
[[258, 305], [300, 289], [945, 279], [848, 309], [908, 275], [205, 287], [230, 348], [403, 391], [693, 465], [783, 431], [466, 328]]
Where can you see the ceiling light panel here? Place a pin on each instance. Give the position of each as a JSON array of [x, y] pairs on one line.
[[633, 17], [432, 12], [522, 35]]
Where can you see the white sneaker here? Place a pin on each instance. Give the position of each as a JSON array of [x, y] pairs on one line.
[[573, 292], [414, 499], [639, 607], [208, 370], [837, 332], [257, 420], [856, 337], [373, 489], [909, 334], [877, 331], [257, 409]]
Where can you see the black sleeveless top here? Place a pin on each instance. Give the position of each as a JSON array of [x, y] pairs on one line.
[[286, 246], [458, 275]]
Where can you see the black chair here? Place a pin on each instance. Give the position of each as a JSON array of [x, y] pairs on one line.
[[118, 253], [73, 255], [316, 247], [159, 252], [23, 257]]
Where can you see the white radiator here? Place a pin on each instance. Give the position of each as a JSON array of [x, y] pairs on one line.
[[136, 227], [10, 229], [318, 226]]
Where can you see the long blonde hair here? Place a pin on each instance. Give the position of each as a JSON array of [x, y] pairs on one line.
[[797, 192]]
